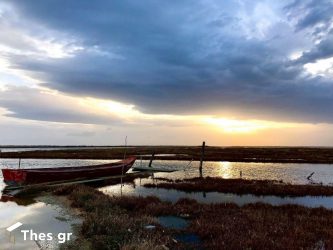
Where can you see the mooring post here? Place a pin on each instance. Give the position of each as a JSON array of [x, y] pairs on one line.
[[122, 169], [202, 157], [19, 163], [151, 159]]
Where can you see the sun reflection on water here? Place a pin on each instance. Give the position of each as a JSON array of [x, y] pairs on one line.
[[225, 169]]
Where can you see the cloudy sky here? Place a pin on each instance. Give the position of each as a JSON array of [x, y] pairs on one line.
[[166, 72]]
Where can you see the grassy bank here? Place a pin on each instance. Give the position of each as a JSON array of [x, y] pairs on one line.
[[242, 186], [119, 223], [239, 154]]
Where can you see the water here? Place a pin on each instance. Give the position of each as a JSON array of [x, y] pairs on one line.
[[41, 217], [295, 173], [189, 238], [49, 163], [172, 222], [178, 223], [137, 189], [21, 149]]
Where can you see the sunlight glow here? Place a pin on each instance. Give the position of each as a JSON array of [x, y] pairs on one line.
[[296, 55], [129, 113], [57, 49], [322, 67], [113, 107], [113, 111], [245, 126]]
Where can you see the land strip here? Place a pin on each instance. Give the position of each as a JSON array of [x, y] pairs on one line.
[[242, 186], [235, 154]]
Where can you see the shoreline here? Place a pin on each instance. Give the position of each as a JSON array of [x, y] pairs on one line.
[[313, 155]]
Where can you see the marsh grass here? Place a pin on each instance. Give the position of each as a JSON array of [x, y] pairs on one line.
[[118, 223], [260, 226], [243, 186], [109, 225]]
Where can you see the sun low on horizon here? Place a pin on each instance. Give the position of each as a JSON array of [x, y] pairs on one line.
[[166, 73]]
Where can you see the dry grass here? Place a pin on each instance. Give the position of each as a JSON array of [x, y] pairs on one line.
[[107, 225], [219, 226], [260, 226], [243, 186]]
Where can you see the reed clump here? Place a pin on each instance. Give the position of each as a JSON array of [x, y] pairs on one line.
[[243, 186]]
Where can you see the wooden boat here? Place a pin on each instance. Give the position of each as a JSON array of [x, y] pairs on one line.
[[17, 177]]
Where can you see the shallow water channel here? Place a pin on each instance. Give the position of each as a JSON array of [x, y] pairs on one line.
[[137, 189]]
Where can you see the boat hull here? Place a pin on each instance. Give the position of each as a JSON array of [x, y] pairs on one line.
[[41, 175]]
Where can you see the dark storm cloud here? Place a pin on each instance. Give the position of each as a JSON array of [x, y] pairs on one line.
[[323, 50], [311, 12], [182, 57]]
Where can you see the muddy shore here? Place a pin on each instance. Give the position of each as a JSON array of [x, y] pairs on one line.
[[235, 154]]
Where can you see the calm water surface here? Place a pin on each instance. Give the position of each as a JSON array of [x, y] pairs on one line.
[[137, 189], [41, 217], [295, 173], [21, 149]]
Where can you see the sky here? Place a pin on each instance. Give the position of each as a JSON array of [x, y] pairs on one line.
[[235, 72]]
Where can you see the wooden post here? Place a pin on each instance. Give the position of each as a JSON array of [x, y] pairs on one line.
[[202, 157], [19, 163], [125, 147], [151, 159], [122, 169]]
